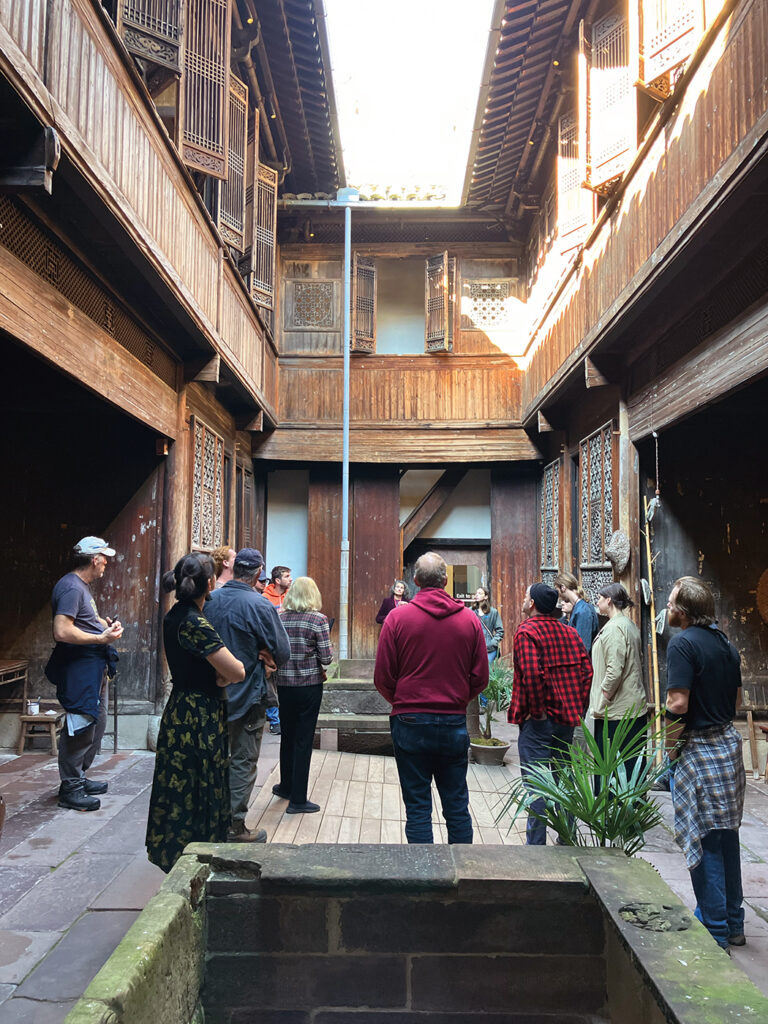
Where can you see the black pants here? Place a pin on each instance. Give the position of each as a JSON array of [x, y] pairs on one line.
[[299, 708]]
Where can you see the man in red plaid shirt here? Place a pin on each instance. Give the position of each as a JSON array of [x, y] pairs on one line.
[[552, 677]]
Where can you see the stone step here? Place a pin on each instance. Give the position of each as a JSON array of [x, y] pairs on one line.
[[356, 668], [356, 700], [348, 684], [358, 734]]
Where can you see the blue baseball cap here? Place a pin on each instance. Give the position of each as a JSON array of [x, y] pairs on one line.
[[249, 558]]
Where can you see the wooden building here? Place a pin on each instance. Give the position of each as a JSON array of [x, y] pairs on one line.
[[171, 311]]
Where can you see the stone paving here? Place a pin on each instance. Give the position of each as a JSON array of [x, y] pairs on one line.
[[71, 884]]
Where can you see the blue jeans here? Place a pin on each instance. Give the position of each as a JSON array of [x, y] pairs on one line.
[[716, 883], [540, 742], [426, 747], [273, 716]]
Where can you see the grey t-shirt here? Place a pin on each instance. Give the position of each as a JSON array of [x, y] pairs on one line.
[[72, 597]]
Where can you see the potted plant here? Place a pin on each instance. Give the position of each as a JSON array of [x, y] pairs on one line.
[[494, 698], [617, 812]]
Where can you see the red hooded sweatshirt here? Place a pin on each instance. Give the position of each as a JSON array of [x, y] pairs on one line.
[[431, 656]]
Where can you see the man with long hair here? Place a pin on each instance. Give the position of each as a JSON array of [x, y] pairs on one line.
[[708, 780]]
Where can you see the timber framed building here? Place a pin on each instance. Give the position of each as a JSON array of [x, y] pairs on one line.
[[171, 312]]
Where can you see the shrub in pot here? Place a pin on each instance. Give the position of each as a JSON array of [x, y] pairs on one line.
[[495, 698]]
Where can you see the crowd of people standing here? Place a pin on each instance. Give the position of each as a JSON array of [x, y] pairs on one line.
[[239, 643]]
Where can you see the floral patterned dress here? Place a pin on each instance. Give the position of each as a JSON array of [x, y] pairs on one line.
[[190, 791]]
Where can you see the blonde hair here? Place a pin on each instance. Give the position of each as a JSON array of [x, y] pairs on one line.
[[303, 596], [219, 556], [569, 581]]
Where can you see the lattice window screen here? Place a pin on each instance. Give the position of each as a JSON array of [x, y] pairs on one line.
[[596, 508], [611, 102], [207, 487], [573, 201], [232, 206], [487, 304], [440, 303], [670, 30], [549, 521], [206, 86], [363, 303], [151, 29], [265, 227]]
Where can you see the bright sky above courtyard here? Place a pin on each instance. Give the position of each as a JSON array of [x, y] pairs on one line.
[[406, 75]]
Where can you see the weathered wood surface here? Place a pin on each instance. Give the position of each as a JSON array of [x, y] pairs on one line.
[[514, 525], [375, 561], [37, 314], [324, 537], [398, 443], [407, 389], [715, 128], [110, 131], [360, 802], [724, 361]]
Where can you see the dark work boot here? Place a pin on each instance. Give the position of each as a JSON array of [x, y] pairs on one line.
[[94, 787], [74, 798]]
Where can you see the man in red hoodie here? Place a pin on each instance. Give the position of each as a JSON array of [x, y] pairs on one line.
[[431, 661]]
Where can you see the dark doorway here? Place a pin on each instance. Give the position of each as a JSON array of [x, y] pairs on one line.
[[468, 565]]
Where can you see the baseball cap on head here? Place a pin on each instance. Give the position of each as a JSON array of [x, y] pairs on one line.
[[263, 576], [249, 558], [93, 546]]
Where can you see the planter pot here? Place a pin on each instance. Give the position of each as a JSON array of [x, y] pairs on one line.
[[483, 754]]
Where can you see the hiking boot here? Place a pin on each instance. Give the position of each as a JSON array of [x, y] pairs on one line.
[[94, 787], [275, 728], [737, 940], [76, 799], [246, 835]]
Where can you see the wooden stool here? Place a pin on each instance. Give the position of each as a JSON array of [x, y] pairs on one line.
[[50, 722]]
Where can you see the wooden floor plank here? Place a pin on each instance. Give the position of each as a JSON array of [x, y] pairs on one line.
[[390, 771], [360, 768], [370, 830], [391, 831], [349, 831], [329, 829], [346, 763], [391, 805], [353, 808], [373, 796], [309, 826], [376, 768], [337, 797]]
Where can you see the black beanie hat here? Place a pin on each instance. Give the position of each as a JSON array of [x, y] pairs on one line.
[[545, 598]]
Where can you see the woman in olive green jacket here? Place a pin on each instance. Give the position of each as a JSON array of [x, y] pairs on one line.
[[617, 683]]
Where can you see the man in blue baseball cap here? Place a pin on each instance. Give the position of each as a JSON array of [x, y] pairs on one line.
[[251, 628], [78, 667]]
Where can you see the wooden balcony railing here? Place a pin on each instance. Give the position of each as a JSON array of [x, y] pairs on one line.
[[716, 124], [109, 129]]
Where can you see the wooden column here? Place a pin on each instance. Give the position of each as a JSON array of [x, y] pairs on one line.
[[375, 551], [629, 513], [514, 556], [324, 537]]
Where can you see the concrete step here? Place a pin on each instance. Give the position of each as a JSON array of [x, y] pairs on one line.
[[348, 684], [358, 699], [358, 734], [356, 668]]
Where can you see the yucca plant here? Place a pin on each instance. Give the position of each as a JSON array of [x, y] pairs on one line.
[[618, 814]]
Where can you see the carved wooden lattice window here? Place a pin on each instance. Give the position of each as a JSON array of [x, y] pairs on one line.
[[363, 303], [607, 101], [487, 304], [573, 201], [207, 487], [549, 521], [313, 305], [670, 29], [597, 502], [206, 86], [263, 255], [440, 303], [151, 30], [232, 204]]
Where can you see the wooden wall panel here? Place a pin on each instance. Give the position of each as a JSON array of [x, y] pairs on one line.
[[514, 554], [375, 509], [717, 123], [324, 538]]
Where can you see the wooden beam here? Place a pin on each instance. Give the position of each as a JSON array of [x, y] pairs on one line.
[[208, 373], [29, 167], [542, 423], [36, 314], [593, 378], [249, 422], [430, 504]]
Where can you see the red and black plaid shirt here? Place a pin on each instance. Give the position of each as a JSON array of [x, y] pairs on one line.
[[553, 672]]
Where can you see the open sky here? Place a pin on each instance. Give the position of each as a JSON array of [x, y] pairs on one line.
[[406, 75]]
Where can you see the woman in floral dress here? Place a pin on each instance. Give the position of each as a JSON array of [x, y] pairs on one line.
[[190, 791]]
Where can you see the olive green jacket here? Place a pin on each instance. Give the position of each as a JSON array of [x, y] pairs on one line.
[[617, 684]]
